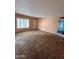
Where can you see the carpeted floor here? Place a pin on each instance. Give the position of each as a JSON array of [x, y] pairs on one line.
[[39, 45]]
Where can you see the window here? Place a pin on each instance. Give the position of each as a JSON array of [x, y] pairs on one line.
[[22, 23], [61, 27]]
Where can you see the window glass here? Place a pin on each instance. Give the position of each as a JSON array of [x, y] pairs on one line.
[[61, 27], [18, 22], [27, 23], [22, 23]]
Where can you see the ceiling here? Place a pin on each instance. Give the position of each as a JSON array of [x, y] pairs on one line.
[[40, 8]]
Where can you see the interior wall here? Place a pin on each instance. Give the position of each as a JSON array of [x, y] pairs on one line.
[[33, 23], [48, 24]]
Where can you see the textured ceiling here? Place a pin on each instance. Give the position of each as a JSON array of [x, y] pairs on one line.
[[40, 8]]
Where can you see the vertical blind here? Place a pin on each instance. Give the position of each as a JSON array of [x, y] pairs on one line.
[[22, 23]]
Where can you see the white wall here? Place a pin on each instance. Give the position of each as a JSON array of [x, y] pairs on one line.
[[48, 24]]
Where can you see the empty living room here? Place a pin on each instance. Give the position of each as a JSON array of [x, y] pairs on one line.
[[39, 29]]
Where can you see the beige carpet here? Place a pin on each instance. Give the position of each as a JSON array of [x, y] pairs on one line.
[[39, 45]]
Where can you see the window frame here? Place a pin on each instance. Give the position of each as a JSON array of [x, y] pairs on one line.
[[25, 26]]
